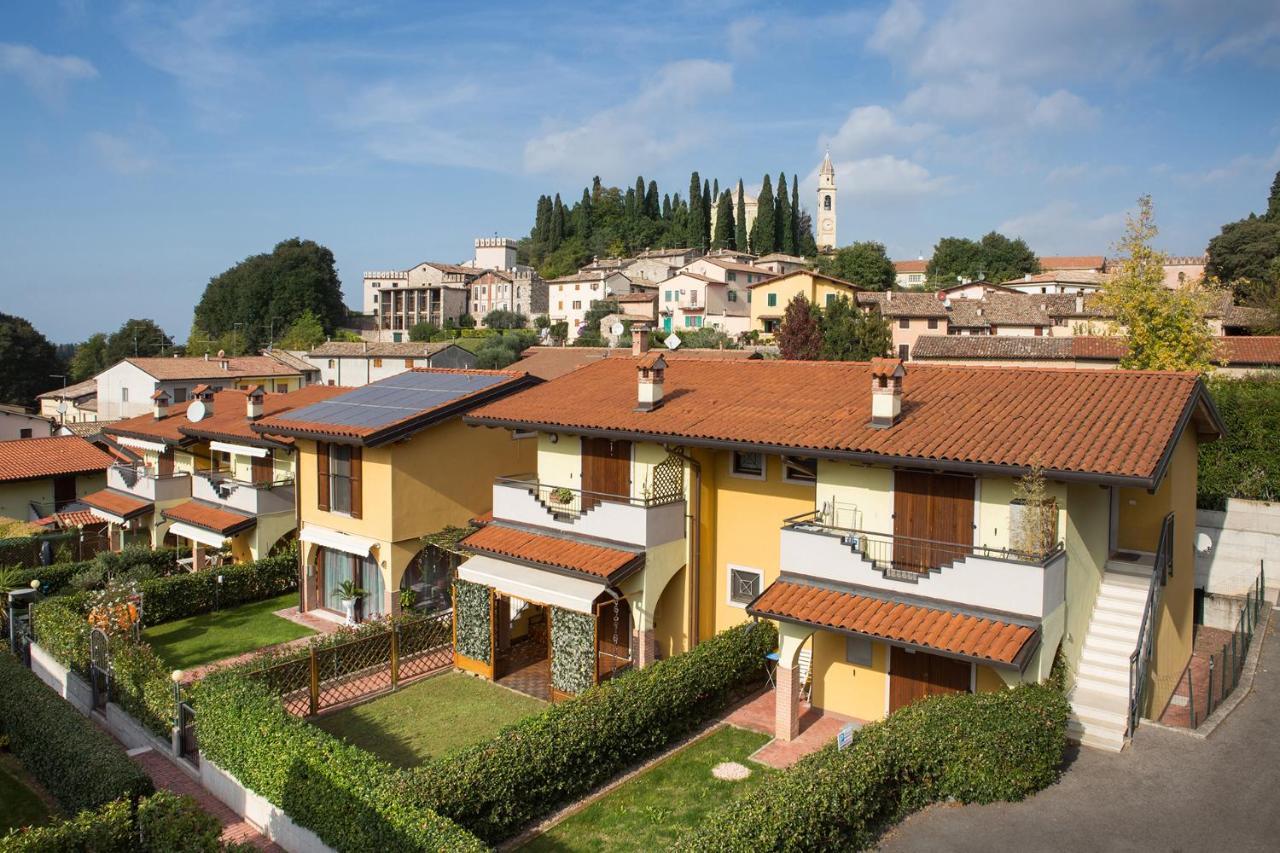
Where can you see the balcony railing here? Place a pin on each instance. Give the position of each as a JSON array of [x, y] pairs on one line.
[[265, 498], [650, 519], [148, 485], [965, 573]]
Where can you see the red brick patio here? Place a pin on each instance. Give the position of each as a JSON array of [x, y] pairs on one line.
[[817, 728], [1209, 641]]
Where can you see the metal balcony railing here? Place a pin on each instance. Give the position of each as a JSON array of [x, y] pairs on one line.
[[566, 501]]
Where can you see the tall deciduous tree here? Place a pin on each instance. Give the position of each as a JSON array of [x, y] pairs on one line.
[[740, 239], [723, 238], [764, 231], [27, 362], [865, 264], [1004, 259], [89, 359], [849, 334], [1166, 329], [136, 338], [1244, 254], [307, 332], [799, 336]]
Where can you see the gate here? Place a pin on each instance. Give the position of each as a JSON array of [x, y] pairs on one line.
[[99, 668], [188, 747]]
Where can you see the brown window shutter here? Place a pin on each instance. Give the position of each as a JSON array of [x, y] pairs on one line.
[[357, 502], [262, 470], [322, 475]]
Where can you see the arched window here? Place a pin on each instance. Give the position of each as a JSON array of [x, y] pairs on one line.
[[430, 574], [826, 202]]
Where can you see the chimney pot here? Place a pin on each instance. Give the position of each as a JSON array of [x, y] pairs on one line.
[[649, 375], [639, 338], [253, 400], [160, 404], [886, 391]]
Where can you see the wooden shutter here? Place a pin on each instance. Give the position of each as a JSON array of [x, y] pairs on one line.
[[322, 475], [357, 503], [261, 468]]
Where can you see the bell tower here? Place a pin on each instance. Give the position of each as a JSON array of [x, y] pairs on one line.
[[826, 236]]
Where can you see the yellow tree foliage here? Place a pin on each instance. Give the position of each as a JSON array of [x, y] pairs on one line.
[[1166, 329]]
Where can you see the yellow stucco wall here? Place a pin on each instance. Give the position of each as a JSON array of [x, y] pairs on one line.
[[16, 497], [1175, 634], [988, 680], [671, 617], [845, 688], [1086, 538], [559, 460], [814, 289]]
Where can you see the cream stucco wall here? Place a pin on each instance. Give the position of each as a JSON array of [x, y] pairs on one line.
[[1086, 536]]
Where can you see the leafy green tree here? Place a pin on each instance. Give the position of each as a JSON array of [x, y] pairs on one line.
[[424, 331], [90, 358], [1273, 200], [849, 334], [953, 258], [1242, 253], [305, 333], [995, 258], [807, 246], [27, 362], [503, 319], [785, 223], [559, 330], [1166, 329], [542, 321], [590, 335], [499, 351], [136, 338], [865, 264], [765, 230], [1004, 259], [272, 290], [740, 239], [725, 225], [799, 336], [705, 338]]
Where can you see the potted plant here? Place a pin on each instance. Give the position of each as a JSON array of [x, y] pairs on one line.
[[408, 600], [561, 495], [349, 594]]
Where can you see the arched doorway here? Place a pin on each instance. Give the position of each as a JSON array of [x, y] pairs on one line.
[[427, 580]]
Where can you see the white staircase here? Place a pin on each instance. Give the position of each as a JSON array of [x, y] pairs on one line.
[[1100, 698]]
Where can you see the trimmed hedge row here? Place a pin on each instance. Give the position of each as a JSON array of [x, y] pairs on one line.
[[57, 578], [971, 748], [179, 596], [164, 823], [545, 761], [79, 765], [342, 793], [1243, 463]]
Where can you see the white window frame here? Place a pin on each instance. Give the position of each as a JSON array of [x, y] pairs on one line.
[[747, 475], [787, 476], [733, 567]]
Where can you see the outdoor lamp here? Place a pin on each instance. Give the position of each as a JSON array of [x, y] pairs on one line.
[[35, 584], [176, 676]]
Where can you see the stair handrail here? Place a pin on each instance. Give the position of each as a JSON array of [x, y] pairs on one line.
[[1140, 660]]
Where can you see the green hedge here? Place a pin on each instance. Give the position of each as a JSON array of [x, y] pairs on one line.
[[472, 612], [81, 766], [164, 823], [970, 748], [340, 792], [573, 650], [62, 629], [550, 759], [179, 596], [53, 579], [1244, 462], [140, 685]]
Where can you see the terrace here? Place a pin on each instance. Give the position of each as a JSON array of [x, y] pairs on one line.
[[148, 485], [250, 498], [643, 521]]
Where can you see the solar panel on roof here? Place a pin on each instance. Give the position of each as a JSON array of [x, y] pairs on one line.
[[392, 399]]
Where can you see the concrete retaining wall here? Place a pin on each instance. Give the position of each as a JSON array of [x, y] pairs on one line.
[[259, 811], [1230, 549]]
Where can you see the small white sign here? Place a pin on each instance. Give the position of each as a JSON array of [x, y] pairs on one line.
[[672, 341], [845, 737]]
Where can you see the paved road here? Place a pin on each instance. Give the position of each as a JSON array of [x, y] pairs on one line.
[[1167, 791]]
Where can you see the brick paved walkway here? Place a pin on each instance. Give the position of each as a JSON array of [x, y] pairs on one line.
[[1209, 641], [169, 777], [817, 728]]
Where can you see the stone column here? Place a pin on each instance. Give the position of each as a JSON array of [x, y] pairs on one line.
[[197, 556], [645, 646], [787, 704]]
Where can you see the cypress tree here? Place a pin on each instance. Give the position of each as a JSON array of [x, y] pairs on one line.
[[795, 214], [651, 206], [706, 209], [666, 207], [629, 205], [784, 227], [697, 238], [715, 190], [740, 221], [556, 230], [723, 238], [596, 188], [542, 220], [641, 209], [764, 232], [1273, 200], [582, 227]]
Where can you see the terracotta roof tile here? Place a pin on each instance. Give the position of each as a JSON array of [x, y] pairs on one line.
[[71, 392], [358, 349], [118, 504], [596, 560], [905, 303], [65, 520], [209, 517], [910, 266], [1072, 262], [1002, 347], [942, 630], [228, 421], [1260, 350], [1100, 422], [550, 362], [32, 458], [200, 368]]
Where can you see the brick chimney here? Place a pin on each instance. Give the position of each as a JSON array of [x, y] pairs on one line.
[[650, 370], [639, 338], [886, 391], [253, 400], [204, 394], [160, 404]]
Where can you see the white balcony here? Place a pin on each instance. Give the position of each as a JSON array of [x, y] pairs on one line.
[[147, 485], [957, 574], [248, 498], [634, 521]]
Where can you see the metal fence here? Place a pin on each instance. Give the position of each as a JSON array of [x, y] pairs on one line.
[[334, 675], [1227, 664]]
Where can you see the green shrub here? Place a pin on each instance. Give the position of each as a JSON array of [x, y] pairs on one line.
[[140, 685], [971, 748], [53, 579], [473, 610], [1244, 462], [163, 823], [62, 629], [81, 766], [552, 758], [165, 599], [343, 794]]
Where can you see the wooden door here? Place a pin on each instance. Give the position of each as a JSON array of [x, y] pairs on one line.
[[932, 519], [913, 676], [606, 470], [261, 470], [64, 491], [165, 465]]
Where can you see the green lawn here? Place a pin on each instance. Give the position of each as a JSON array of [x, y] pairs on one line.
[[429, 719], [225, 633], [19, 805], [653, 810]]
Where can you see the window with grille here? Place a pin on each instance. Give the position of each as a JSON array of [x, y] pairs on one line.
[[748, 464], [744, 585]]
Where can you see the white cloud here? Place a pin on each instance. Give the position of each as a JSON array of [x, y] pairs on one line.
[[898, 26], [1063, 109], [744, 36], [1075, 172], [662, 121], [1256, 168], [48, 76], [986, 97], [873, 129], [119, 154], [1061, 227]]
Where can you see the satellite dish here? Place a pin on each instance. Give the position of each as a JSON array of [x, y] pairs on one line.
[[672, 341], [616, 329], [62, 407], [197, 411]]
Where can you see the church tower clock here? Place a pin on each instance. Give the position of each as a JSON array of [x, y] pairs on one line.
[[826, 236]]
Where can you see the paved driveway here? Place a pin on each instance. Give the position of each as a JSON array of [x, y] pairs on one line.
[[1167, 791]]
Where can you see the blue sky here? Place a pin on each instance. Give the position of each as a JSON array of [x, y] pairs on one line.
[[145, 147]]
